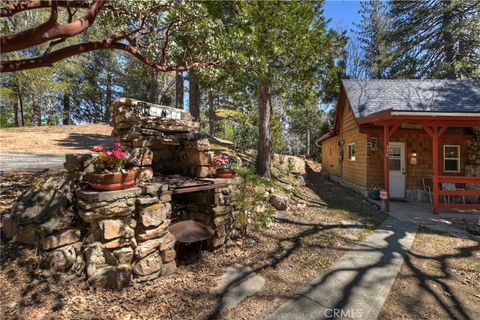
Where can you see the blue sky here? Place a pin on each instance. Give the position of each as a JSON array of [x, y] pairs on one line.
[[342, 13]]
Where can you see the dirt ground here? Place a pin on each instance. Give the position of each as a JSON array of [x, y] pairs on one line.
[[55, 139], [289, 254], [440, 280]]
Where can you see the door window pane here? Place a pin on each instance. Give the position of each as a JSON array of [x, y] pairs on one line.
[[395, 164]]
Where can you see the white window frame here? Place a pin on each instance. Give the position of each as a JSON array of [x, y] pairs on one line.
[[350, 157], [457, 158]]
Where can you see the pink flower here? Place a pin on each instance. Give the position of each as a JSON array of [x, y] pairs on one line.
[[118, 153], [98, 148]]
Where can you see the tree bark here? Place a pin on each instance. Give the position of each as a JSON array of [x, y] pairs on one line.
[[307, 138], [13, 8], [50, 30], [153, 87], [66, 110], [448, 44], [178, 90], [18, 108], [211, 114], [264, 148], [194, 95], [36, 111], [108, 98]]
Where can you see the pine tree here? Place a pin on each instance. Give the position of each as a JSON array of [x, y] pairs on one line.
[[372, 34], [436, 38]]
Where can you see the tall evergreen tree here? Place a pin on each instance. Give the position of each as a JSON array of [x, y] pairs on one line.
[[372, 34], [275, 48], [436, 38]]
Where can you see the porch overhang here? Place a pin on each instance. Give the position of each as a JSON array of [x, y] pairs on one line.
[[434, 124]]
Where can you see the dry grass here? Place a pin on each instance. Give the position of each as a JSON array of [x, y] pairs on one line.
[[55, 139], [440, 279]]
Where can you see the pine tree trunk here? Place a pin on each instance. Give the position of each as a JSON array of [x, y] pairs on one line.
[[194, 95], [36, 111], [18, 109], [108, 99], [211, 114], [307, 152], [66, 109], [448, 45], [178, 90], [264, 148], [153, 87]]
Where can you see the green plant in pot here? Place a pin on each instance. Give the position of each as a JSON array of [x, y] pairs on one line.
[[110, 173], [223, 165], [374, 192]]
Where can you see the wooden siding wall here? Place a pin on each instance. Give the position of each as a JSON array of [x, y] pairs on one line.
[[353, 171], [422, 145], [330, 152]]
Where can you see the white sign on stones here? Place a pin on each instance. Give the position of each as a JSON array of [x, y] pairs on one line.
[[161, 112]]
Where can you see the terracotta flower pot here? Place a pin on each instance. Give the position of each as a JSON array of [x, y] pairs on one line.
[[111, 181], [226, 173]]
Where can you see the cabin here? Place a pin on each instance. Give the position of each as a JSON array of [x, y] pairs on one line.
[[416, 139]]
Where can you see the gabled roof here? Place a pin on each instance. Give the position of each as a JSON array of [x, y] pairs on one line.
[[368, 97]]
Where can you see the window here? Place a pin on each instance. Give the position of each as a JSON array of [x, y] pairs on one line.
[[330, 151], [351, 152], [451, 158]]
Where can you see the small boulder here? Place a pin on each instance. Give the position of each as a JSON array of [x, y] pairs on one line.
[[139, 157], [115, 229], [148, 265], [79, 162], [154, 215], [39, 205], [94, 258], [145, 248], [168, 255], [279, 202], [111, 277], [154, 233], [167, 241], [61, 259], [62, 239], [124, 255], [169, 268]]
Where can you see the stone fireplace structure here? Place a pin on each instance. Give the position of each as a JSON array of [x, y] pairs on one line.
[[112, 237]]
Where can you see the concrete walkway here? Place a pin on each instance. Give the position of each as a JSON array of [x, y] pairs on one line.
[[13, 161], [421, 213], [357, 286]]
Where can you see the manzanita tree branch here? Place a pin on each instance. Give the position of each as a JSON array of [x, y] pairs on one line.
[[11, 8], [50, 30], [48, 59]]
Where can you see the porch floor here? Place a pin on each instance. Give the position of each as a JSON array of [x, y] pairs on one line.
[[448, 220]]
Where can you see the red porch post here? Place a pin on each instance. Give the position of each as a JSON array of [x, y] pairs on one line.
[[435, 132], [387, 133], [386, 164]]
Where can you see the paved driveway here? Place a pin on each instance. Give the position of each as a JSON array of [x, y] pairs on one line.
[[12, 161]]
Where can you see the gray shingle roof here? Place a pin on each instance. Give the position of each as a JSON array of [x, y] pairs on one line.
[[371, 96]]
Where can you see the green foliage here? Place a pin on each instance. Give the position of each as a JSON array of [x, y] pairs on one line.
[[263, 219], [421, 39], [372, 33]]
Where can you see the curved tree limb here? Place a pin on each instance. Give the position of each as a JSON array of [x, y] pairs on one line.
[[48, 59], [13, 7], [50, 30]]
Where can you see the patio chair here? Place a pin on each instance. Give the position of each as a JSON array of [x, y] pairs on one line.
[[427, 186], [452, 187]]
